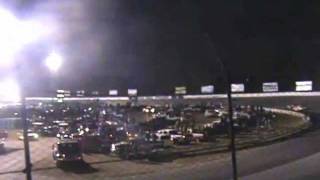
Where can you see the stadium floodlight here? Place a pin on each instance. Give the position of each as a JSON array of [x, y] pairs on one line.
[[54, 61], [15, 34], [9, 90]]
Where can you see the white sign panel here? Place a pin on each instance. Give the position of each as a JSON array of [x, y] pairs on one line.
[[181, 90], [304, 86], [95, 93], [270, 87], [80, 93], [207, 89], [113, 92], [132, 92], [237, 87]]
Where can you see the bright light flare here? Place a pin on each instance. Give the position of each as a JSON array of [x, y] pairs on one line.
[[54, 62], [9, 90], [15, 34]]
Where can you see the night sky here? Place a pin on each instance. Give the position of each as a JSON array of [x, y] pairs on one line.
[[154, 45]]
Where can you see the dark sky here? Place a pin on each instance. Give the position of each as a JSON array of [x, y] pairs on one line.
[[155, 45]]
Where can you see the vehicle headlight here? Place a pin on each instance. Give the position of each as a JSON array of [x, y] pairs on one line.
[[58, 135], [36, 136], [113, 147]]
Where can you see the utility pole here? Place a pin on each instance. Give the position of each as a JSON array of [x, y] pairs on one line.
[[28, 164], [227, 75], [231, 127]]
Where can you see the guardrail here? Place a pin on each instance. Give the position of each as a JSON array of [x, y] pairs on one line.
[[257, 141], [253, 95], [199, 96], [283, 111]]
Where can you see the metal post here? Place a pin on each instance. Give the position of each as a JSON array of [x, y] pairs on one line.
[[225, 71], [231, 127], [28, 164]]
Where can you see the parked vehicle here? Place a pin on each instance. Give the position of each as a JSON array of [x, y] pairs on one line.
[[183, 139], [49, 131], [136, 148], [190, 136], [32, 136], [3, 134], [64, 134], [95, 144], [2, 146], [66, 151], [165, 133], [213, 113], [212, 124], [149, 109]]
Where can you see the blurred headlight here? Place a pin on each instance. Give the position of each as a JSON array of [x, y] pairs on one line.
[[113, 148], [36, 136]]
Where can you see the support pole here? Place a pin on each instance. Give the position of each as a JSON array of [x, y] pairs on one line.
[[28, 164]]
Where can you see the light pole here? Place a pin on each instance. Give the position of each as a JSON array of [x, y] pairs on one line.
[[53, 63], [226, 73], [28, 164], [14, 36]]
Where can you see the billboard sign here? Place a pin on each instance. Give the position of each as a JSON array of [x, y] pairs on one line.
[[209, 89], [132, 92], [237, 87], [270, 87], [80, 93], [113, 92], [61, 94], [95, 93], [304, 86], [180, 90]]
